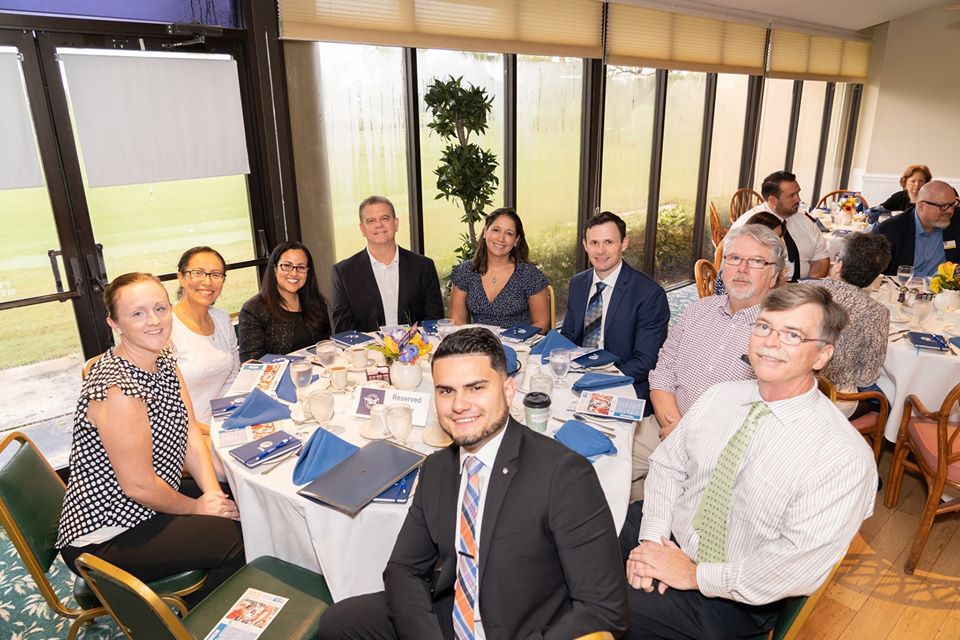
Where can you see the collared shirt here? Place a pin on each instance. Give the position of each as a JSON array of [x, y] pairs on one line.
[[928, 251], [605, 295], [487, 456], [704, 348], [388, 282], [807, 482], [803, 230]]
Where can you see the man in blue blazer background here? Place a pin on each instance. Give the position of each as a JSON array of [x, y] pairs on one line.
[[614, 307]]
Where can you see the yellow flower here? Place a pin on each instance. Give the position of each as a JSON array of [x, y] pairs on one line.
[[390, 344], [935, 284], [948, 269]]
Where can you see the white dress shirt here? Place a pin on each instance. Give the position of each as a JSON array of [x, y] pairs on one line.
[[806, 235], [388, 282], [209, 364], [807, 482], [487, 456], [605, 295]]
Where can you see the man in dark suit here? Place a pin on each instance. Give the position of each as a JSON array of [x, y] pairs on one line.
[[509, 534], [615, 307], [383, 284], [925, 235]]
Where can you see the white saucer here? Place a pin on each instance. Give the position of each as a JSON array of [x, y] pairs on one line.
[[370, 363], [366, 431], [904, 320], [438, 444]]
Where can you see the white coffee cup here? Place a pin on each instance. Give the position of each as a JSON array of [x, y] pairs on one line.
[[358, 357], [523, 355], [338, 377]]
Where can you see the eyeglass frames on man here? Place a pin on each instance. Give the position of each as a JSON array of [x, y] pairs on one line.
[[753, 263], [942, 206], [787, 337]]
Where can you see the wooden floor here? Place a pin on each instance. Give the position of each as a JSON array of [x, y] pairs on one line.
[[872, 598]]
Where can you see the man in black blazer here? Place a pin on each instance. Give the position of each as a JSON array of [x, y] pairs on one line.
[[383, 284], [933, 222], [635, 312], [546, 559]]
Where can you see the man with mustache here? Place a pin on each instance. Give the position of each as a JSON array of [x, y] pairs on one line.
[[925, 235], [706, 344], [758, 491], [509, 534]]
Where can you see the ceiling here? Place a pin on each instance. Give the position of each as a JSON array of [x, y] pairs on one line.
[[852, 15]]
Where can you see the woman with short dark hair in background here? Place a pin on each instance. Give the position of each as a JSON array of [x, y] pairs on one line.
[[134, 434], [914, 177], [499, 286], [289, 313], [205, 344]]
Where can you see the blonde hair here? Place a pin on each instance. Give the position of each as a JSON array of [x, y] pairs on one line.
[[112, 291]]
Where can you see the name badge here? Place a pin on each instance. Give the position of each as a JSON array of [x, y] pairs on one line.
[[950, 244]]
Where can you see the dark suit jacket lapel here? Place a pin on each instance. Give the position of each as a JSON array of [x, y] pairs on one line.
[[909, 238], [369, 288], [620, 290], [448, 518], [408, 283], [579, 292], [502, 474]]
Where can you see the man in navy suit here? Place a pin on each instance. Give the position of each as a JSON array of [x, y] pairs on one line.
[[615, 307], [927, 234]]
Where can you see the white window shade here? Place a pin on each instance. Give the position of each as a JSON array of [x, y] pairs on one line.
[[19, 163], [545, 27], [802, 56], [143, 118]]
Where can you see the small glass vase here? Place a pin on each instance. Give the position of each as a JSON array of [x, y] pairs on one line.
[[405, 376]]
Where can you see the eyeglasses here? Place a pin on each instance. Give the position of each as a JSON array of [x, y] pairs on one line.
[[199, 274], [287, 267], [753, 263], [944, 207], [786, 337]]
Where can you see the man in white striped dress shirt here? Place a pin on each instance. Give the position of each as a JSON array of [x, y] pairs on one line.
[[789, 477]]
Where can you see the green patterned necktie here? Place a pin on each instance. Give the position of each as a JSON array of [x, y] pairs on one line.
[[713, 513]]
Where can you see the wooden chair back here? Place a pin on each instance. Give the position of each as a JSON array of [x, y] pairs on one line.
[[718, 257], [706, 276], [743, 200], [834, 196], [717, 231], [553, 307], [875, 421], [88, 365]]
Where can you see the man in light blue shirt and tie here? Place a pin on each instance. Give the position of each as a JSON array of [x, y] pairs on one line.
[[927, 235]]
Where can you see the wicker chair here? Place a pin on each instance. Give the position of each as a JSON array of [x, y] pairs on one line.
[[743, 200]]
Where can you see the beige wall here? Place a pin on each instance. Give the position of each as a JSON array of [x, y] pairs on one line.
[[912, 103]]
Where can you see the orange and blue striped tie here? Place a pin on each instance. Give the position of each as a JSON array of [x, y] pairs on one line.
[[465, 591]]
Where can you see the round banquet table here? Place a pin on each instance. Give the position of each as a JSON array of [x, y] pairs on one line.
[[352, 552]]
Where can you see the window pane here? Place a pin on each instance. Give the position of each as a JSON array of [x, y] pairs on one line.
[[364, 131], [836, 140], [808, 138], [627, 137], [725, 147], [442, 227], [549, 91], [678, 179], [774, 127]]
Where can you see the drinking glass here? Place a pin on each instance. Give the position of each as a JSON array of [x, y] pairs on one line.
[[922, 308], [904, 274], [445, 327], [326, 355], [321, 406], [541, 383], [301, 373], [559, 364], [399, 421]]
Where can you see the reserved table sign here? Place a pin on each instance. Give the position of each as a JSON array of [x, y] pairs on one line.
[[367, 397]]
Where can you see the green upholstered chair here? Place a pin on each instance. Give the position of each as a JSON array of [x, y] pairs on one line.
[[795, 611], [31, 497], [141, 614]]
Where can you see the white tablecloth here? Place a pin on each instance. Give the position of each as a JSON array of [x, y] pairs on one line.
[[929, 375], [352, 553]]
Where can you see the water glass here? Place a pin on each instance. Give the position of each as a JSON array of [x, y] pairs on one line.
[[445, 327], [922, 308], [326, 354], [559, 364], [321, 406], [399, 421], [904, 274], [541, 383], [301, 374]]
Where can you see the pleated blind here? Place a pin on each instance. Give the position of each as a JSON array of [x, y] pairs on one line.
[[654, 38], [808, 57], [544, 27]]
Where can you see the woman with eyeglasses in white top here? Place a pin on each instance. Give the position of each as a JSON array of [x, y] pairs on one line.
[[289, 313], [204, 342]]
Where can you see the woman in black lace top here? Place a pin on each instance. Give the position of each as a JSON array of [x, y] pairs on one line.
[[289, 313]]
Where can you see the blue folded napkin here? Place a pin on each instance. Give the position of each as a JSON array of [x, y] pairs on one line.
[[429, 327], [286, 389], [322, 452], [584, 439], [511, 355], [553, 340], [598, 381], [257, 408], [599, 358], [350, 338], [520, 332]]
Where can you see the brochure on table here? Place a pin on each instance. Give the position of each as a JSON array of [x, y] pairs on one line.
[[233, 437], [608, 405], [416, 400], [265, 376], [248, 617]]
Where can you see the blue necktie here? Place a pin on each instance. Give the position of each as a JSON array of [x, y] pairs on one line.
[[593, 321]]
